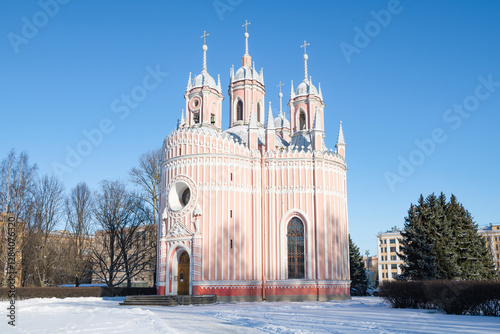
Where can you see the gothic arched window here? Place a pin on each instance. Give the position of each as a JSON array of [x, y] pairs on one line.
[[239, 111], [258, 112], [302, 121], [295, 237]]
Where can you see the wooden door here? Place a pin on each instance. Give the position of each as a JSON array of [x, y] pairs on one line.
[[183, 274]]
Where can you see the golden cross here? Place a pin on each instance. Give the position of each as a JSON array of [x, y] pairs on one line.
[[204, 37], [246, 25], [305, 46]]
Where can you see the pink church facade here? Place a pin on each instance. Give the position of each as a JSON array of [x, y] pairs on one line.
[[257, 211]]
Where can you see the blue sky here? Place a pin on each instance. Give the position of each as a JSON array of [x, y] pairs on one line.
[[415, 83]]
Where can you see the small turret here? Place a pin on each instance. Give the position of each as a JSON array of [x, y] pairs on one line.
[[253, 131], [340, 142], [270, 130]]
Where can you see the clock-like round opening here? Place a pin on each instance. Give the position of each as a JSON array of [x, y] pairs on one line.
[[179, 196]]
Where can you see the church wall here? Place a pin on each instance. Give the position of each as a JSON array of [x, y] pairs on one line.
[[290, 183]]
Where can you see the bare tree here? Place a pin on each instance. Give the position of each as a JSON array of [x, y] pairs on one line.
[[147, 178], [110, 213], [118, 254], [79, 206], [41, 257], [16, 177]]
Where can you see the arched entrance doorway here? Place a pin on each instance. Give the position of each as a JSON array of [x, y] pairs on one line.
[[183, 274]]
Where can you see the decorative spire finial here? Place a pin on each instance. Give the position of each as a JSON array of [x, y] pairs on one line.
[[204, 47], [281, 97], [340, 138], [305, 59], [253, 121], [246, 36], [270, 121]]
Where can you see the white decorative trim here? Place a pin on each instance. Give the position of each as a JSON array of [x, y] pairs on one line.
[[307, 240], [192, 201], [178, 230]]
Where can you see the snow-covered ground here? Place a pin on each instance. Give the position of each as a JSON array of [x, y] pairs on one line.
[[359, 315]]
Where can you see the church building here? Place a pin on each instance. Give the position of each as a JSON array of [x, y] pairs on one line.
[[257, 211]]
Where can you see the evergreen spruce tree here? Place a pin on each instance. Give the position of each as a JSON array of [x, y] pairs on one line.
[[357, 267], [473, 258], [417, 252], [440, 241]]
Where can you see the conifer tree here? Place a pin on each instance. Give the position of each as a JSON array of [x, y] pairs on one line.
[[473, 258], [440, 241], [417, 252], [357, 267]]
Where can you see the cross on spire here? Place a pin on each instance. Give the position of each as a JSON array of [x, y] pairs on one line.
[[246, 42], [204, 47], [205, 35], [246, 25], [305, 46], [280, 84]]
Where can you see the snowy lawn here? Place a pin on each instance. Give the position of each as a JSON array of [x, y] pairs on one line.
[[359, 315]]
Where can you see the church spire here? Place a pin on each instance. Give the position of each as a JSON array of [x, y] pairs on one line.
[[281, 98], [247, 59], [340, 139], [340, 142], [253, 120], [246, 37], [204, 47], [183, 121], [189, 85], [317, 121], [270, 119], [305, 59]]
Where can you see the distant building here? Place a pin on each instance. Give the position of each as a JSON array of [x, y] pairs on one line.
[[388, 245], [491, 235]]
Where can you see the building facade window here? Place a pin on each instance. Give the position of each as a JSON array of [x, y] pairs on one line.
[[302, 121], [295, 236], [393, 249], [239, 111]]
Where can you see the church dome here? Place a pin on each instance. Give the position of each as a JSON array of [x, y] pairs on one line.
[[281, 122], [306, 88], [204, 79], [247, 73]]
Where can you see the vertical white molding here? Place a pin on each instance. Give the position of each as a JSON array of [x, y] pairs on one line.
[[325, 228]]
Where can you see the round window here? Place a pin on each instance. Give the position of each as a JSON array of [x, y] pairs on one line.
[[179, 196]]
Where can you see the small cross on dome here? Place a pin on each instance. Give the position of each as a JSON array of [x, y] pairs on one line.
[[305, 46], [280, 84], [205, 35], [246, 25]]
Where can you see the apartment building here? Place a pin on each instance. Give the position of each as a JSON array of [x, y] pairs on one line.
[[388, 245]]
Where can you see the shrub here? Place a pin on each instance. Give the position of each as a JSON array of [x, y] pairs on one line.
[[64, 292], [453, 297], [401, 294]]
